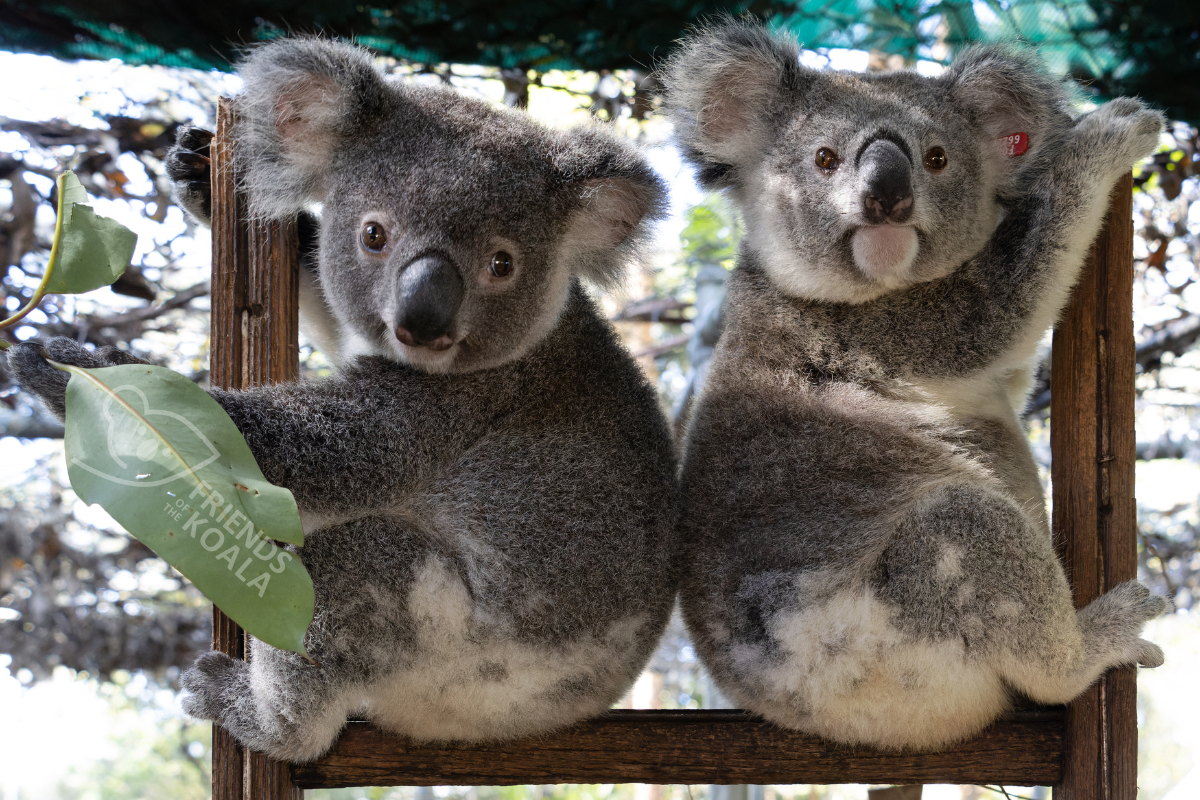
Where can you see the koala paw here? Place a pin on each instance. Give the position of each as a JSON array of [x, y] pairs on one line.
[[211, 684], [189, 169], [29, 368], [1124, 130], [29, 364]]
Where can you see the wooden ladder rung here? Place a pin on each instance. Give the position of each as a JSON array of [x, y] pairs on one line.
[[1024, 748]]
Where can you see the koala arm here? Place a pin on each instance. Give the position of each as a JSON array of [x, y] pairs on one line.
[[377, 425], [190, 169], [31, 371], [1039, 250], [356, 443]]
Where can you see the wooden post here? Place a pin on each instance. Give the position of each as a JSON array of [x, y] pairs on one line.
[[1095, 517], [254, 331]]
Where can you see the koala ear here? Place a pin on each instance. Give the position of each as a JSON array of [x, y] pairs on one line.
[[721, 87], [1008, 91], [300, 97], [612, 193]]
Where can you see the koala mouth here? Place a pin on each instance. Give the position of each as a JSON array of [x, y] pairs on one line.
[[441, 343], [426, 358], [885, 253]]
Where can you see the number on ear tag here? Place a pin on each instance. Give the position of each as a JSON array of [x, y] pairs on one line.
[[1015, 144]]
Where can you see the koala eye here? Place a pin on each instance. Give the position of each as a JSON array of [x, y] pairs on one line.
[[827, 159], [373, 237], [501, 266], [935, 159]]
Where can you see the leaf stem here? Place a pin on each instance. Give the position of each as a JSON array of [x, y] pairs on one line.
[[45, 284]]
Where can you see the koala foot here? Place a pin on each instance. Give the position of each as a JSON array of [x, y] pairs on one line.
[[1136, 600], [29, 363], [1114, 621], [189, 168], [213, 684], [1124, 130]]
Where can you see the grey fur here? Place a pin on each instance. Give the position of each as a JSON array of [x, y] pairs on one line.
[[490, 529], [867, 552]]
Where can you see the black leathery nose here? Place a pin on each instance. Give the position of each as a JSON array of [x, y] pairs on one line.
[[886, 175], [429, 294]]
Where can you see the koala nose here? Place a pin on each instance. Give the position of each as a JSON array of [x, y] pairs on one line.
[[429, 295], [886, 177]]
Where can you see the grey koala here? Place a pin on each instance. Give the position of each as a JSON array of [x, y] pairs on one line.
[[488, 487], [868, 556]]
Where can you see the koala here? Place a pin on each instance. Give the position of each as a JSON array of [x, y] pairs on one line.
[[487, 485], [866, 550]]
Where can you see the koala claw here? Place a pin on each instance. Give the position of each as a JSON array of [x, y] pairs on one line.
[[188, 167], [212, 676], [194, 138]]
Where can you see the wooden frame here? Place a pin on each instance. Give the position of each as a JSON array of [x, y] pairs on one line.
[[1086, 751]]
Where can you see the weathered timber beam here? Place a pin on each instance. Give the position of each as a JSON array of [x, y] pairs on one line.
[[1023, 749]]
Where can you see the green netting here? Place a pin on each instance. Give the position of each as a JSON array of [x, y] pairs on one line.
[[1147, 47], [1067, 33]]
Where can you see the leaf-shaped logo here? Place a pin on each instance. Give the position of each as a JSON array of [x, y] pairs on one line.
[[141, 439]]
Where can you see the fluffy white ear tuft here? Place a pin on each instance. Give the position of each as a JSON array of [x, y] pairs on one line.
[[300, 97], [611, 193], [721, 87], [611, 212]]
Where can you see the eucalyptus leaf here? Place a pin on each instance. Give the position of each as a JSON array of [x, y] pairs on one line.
[[92, 250], [72, 191], [166, 461]]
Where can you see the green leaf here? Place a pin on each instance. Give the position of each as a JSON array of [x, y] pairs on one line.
[[166, 461], [72, 191], [92, 251]]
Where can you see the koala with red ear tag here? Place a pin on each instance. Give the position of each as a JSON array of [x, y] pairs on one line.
[[866, 550], [487, 486]]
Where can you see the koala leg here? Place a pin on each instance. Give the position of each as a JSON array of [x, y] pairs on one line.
[[970, 564], [1059, 660], [277, 703]]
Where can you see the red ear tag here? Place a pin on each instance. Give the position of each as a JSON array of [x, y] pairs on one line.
[[1015, 144]]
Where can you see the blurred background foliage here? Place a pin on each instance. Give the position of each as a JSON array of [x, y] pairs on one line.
[[82, 602]]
